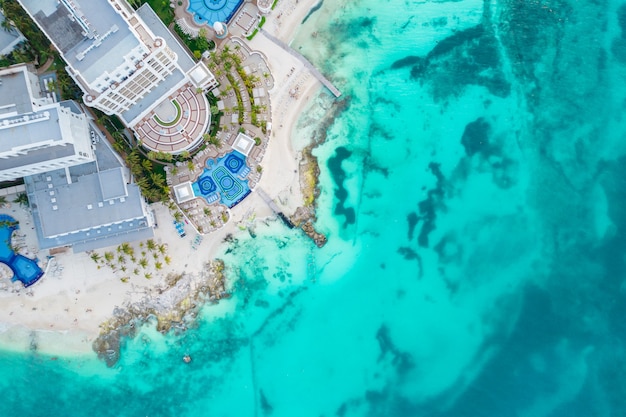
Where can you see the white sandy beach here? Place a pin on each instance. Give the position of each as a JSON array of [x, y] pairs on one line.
[[63, 311]]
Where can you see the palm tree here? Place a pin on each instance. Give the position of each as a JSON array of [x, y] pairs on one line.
[[167, 260], [118, 147], [143, 262], [162, 249], [117, 136], [164, 156], [121, 259], [133, 157], [126, 248], [95, 257], [151, 245], [21, 199], [178, 216], [136, 271], [158, 266], [147, 165], [157, 179], [108, 256], [155, 255], [6, 25], [215, 141], [148, 275], [3, 200], [136, 169]]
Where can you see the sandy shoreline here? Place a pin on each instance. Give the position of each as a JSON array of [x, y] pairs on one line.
[[61, 314]]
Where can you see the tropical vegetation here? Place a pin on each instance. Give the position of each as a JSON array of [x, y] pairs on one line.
[[125, 260]]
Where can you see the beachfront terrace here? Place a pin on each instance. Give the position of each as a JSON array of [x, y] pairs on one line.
[[243, 104]]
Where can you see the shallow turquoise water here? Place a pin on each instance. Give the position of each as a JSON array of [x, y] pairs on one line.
[[472, 195]]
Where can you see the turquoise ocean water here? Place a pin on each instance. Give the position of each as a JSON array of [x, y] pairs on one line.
[[472, 192]]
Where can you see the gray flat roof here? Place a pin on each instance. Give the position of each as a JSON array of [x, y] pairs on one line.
[[112, 184], [80, 205], [37, 156], [70, 36], [184, 60], [155, 96], [37, 130], [130, 235], [105, 223], [14, 93], [156, 25], [72, 106]]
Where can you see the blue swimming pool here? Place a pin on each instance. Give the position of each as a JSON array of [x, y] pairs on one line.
[[211, 11], [224, 179], [24, 269]]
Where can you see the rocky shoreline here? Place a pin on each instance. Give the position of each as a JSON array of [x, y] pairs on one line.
[[174, 305], [305, 216]]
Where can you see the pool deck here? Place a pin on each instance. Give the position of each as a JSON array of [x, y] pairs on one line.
[[241, 23], [28, 253], [77, 296]]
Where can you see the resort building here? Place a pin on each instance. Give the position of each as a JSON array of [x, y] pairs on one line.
[[37, 134], [87, 208], [129, 64], [10, 37], [79, 192]]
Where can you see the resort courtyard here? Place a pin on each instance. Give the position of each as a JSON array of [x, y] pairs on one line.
[[228, 166]]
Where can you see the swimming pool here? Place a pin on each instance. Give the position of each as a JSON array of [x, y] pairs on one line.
[[211, 11], [24, 269], [224, 179]]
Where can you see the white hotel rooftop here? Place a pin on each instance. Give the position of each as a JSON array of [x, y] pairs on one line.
[[37, 134], [79, 193], [129, 64]]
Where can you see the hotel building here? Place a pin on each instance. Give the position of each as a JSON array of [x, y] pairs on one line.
[[37, 134], [80, 194], [129, 64]]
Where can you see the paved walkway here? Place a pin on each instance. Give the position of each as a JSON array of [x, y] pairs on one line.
[[46, 65]]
